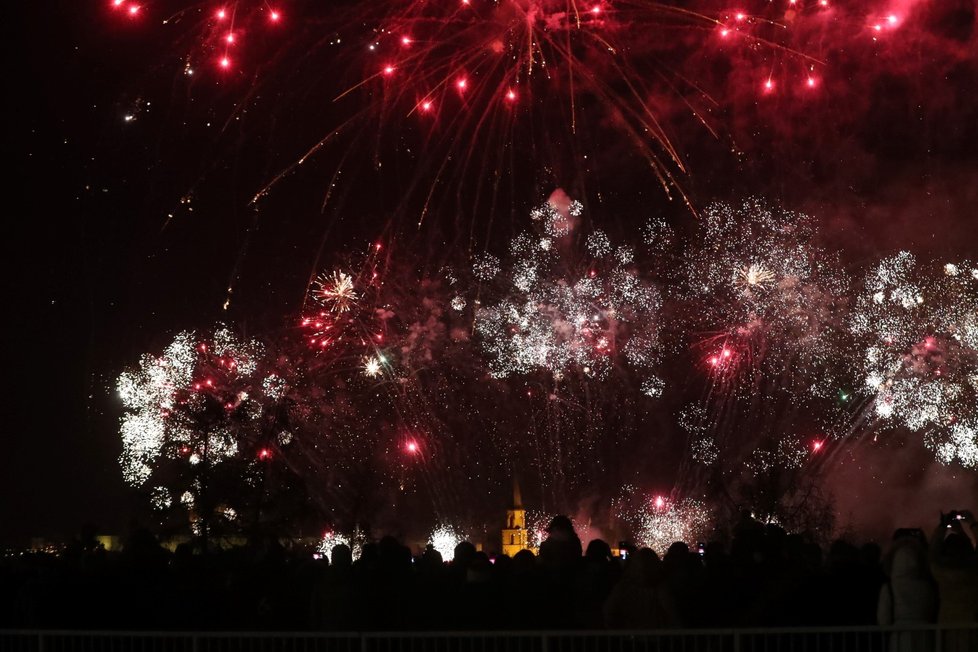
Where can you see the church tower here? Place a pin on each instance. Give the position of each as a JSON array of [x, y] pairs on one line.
[[514, 532]]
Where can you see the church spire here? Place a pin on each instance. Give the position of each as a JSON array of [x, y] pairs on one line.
[[517, 498], [514, 534]]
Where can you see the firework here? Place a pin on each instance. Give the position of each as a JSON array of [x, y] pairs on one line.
[[773, 301], [201, 405], [470, 81], [766, 309], [920, 361], [350, 308], [373, 366], [444, 539], [565, 313], [785, 454], [659, 521], [702, 447], [332, 539], [336, 291], [686, 521], [537, 523]]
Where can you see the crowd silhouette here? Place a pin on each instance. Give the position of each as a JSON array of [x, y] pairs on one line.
[[764, 577]]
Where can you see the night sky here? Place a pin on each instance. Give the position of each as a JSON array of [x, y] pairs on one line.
[[106, 260]]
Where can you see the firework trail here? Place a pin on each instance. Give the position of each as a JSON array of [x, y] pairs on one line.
[[474, 84], [919, 326]]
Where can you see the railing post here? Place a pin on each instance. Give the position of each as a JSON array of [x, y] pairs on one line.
[[40, 642], [193, 643], [736, 641], [937, 639], [543, 642]]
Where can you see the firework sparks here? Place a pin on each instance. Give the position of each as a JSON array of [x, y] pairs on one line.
[[754, 275], [336, 291], [658, 521], [373, 366], [920, 361], [562, 314], [444, 539], [662, 525], [775, 300], [486, 74], [167, 397], [332, 539]]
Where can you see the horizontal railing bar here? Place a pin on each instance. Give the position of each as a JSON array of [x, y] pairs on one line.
[[600, 633]]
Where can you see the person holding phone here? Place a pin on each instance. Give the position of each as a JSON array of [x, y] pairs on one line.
[[954, 563]]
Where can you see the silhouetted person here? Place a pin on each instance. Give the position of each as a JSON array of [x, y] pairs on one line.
[[593, 585], [341, 557], [909, 597], [463, 555], [562, 548], [954, 563], [641, 599], [523, 588]]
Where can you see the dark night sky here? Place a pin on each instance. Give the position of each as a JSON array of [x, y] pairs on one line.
[[96, 275]]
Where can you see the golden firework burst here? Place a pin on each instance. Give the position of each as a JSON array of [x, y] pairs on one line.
[[373, 366], [754, 275], [337, 291]]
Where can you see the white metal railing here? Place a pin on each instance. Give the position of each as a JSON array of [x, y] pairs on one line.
[[823, 639]]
